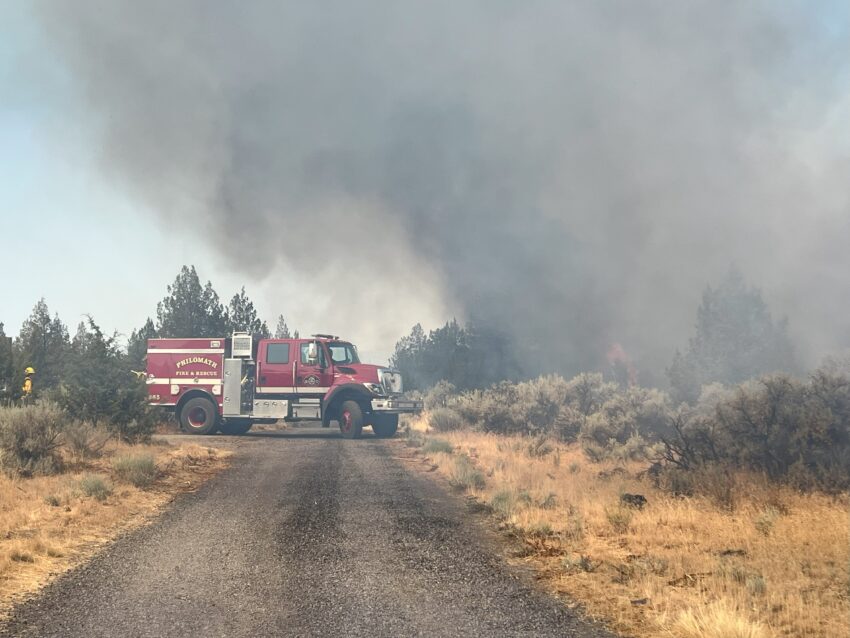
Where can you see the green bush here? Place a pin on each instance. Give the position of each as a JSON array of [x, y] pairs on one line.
[[414, 438], [439, 395], [434, 446], [30, 439], [794, 431], [465, 475], [139, 470], [98, 386], [503, 502], [84, 440], [95, 486], [444, 420], [539, 446]]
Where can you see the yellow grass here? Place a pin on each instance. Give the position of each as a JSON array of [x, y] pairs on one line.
[[47, 525], [775, 566]]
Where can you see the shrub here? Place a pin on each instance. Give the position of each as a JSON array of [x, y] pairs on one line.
[[539, 446], [568, 424], [29, 439], [626, 426], [434, 446], [549, 502], [574, 529], [756, 585], [139, 470], [21, 556], [444, 420], [465, 475], [765, 521], [503, 502], [539, 529], [84, 440], [620, 518], [414, 438], [793, 431], [98, 386], [95, 486], [582, 563], [138, 430], [438, 396], [712, 480]]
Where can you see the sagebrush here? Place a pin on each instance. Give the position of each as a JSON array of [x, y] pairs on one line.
[[793, 431]]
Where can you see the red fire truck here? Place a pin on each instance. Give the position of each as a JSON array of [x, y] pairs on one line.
[[228, 384]]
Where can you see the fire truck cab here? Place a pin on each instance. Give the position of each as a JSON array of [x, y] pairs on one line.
[[228, 384]]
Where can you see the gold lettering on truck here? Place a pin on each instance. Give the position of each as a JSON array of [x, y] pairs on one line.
[[202, 360]]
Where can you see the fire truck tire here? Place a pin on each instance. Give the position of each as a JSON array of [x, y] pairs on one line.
[[235, 428], [384, 425], [350, 420], [198, 416]]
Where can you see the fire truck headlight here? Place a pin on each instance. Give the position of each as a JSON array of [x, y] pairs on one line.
[[216, 390], [175, 389], [375, 388]]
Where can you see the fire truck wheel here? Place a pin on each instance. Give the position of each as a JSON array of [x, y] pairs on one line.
[[198, 416], [235, 428], [350, 420], [384, 425]]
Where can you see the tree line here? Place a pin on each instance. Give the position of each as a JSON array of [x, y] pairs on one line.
[[91, 373], [735, 338]]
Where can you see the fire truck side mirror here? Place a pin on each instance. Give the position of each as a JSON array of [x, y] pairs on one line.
[[312, 351]]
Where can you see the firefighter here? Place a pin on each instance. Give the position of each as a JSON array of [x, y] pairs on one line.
[[26, 391]]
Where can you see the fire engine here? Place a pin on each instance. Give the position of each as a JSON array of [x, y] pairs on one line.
[[227, 384]]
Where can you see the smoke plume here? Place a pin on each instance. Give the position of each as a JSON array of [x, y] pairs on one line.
[[572, 172]]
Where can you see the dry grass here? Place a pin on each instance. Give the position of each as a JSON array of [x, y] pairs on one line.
[[776, 565], [48, 524]]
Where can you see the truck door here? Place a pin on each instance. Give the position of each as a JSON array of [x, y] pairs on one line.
[[313, 374], [276, 366]]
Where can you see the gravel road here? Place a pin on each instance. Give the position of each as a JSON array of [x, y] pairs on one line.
[[305, 535]]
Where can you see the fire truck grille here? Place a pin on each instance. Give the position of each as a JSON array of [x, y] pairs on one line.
[[391, 381]]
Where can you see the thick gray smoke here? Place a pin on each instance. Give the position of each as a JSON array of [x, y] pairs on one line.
[[574, 172]]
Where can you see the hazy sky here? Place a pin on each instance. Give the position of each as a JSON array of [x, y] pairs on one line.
[[71, 236], [574, 172]]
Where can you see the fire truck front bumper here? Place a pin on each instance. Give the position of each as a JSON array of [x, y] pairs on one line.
[[396, 405]]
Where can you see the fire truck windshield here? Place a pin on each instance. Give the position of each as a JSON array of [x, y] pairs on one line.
[[343, 353]]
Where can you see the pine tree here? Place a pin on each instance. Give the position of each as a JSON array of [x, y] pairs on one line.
[[282, 330], [98, 386], [242, 316], [215, 317], [43, 344], [7, 367], [407, 358], [190, 310], [735, 339], [471, 356], [137, 344]]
